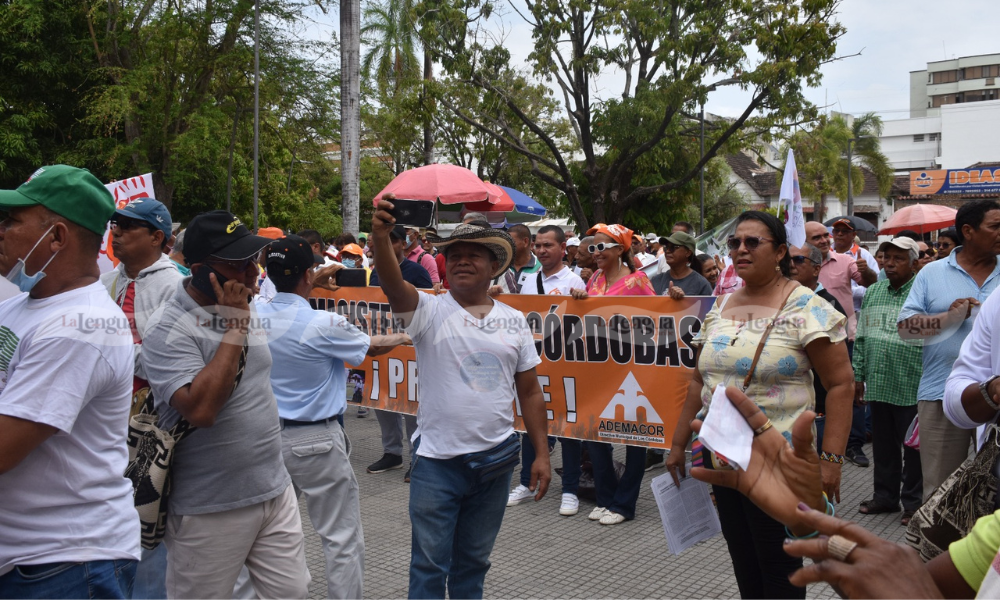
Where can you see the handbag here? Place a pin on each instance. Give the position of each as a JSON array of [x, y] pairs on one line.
[[150, 456], [489, 464], [966, 495]]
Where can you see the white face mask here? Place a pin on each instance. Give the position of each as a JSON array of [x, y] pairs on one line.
[[22, 280]]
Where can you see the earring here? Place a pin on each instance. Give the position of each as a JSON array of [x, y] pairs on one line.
[[777, 267]]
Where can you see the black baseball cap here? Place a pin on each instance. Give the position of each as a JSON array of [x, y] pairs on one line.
[[398, 232], [220, 233], [291, 255]]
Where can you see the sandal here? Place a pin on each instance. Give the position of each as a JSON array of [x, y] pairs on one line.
[[871, 507], [905, 519]]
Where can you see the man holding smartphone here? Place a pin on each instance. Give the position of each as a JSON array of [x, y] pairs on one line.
[[207, 361], [473, 353]]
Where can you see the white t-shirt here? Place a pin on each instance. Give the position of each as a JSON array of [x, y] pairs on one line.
[[466, 374], [559, 284], [67, 361]]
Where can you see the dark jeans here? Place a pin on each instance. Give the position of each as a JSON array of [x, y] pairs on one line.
[[893, 469], [455, 519], [571, 452], [756, 547], [93, 579], [612, 494]]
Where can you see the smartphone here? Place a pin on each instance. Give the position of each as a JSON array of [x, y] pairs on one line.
[[414, 213], [201, 282], [352, 278]]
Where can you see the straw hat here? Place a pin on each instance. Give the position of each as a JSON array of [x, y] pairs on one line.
[[495, 240]]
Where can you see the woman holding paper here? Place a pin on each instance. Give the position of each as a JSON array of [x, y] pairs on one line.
[[765, 338]]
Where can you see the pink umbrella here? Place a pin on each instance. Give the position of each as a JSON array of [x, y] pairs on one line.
[[448, 184], [504, 203], [920, 218]]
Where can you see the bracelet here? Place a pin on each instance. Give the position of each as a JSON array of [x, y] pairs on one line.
[[830, 510], [831, 457]]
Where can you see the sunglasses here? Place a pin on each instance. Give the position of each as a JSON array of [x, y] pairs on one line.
[[601, 247], [752, 242], [943, 244], [238, 265], [801, 259], [125, 224], [925, 253]]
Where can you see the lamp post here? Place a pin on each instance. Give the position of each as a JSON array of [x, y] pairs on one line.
[[850, 164]]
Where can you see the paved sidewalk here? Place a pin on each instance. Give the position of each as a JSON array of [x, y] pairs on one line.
[[541, 554]]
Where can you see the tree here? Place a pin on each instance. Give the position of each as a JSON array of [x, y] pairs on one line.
[[46, 62], [350, 111], [821, 157], [673, 53]]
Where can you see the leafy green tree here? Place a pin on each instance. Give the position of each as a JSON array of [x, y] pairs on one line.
[[821, 157], [46, 63], [673, 53]]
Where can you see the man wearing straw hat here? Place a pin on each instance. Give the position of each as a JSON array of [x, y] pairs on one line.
[[472, 351]]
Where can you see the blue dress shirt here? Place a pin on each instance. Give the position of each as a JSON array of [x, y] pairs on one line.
[[308, 350]]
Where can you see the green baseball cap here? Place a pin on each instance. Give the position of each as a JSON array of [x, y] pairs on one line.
[[72, 193]]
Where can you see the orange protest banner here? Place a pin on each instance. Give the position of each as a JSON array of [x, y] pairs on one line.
[[614, 369]]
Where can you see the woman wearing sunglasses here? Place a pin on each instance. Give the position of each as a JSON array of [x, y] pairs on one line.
[[684, 275], [616, 276], [765, 338]]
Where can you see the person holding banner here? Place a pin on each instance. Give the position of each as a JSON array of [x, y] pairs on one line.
[[683, 274], [771, 358], [554, 279], [616, 276], [473, 352]]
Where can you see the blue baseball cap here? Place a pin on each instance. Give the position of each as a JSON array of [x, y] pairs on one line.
[[149, 210]]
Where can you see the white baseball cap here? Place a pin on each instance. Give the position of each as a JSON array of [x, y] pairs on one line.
[[573, 241], [652, 238]]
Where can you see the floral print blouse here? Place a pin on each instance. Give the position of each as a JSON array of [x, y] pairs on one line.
[[782, 384]]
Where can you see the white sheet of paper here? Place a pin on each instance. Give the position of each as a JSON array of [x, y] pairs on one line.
[[725, 431], [687, 513]]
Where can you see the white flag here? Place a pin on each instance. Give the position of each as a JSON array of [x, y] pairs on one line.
[[790, 203]]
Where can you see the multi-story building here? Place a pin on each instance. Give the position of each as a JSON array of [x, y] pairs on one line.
[[954, 116]]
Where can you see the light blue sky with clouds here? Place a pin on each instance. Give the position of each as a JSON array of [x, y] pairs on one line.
[[894, 37]]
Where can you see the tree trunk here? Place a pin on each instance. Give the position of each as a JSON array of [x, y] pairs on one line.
[[819, 209], [428, 109], [350, 112], [163, 191]]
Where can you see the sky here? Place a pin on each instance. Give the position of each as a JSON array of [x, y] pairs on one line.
[[893, 38]]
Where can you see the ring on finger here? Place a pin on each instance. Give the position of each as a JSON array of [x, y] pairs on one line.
[[762, 428], [840, 547]]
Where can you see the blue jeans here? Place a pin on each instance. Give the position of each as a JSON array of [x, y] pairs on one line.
[[94, 579], [612, 494], [572, 450], [860, 425], [455, 518]]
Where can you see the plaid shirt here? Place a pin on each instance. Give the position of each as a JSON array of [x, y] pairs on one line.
[[889, 366]]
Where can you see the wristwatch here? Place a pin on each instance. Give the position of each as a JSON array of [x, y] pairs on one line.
[[984, 388]]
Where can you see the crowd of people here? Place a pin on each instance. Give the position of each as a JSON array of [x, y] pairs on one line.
[[823, 347]]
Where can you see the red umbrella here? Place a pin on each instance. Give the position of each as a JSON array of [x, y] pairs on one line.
[[448, 184], [504, 202], [920, 218]]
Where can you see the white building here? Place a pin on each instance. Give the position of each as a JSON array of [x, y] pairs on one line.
[[954, 116]]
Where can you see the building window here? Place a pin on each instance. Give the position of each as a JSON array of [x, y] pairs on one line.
[[933, 137], [918, 138]]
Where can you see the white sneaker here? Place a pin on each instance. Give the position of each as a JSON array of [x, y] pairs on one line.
[[612, 518], [597, 513], [518, 495], [570, 505]]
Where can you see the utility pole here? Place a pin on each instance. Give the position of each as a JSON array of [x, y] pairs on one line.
[[350, 112], [701, 172], [256, 109]]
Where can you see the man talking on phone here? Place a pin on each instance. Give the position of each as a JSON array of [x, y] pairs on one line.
[[473, 354], [207, 362]]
